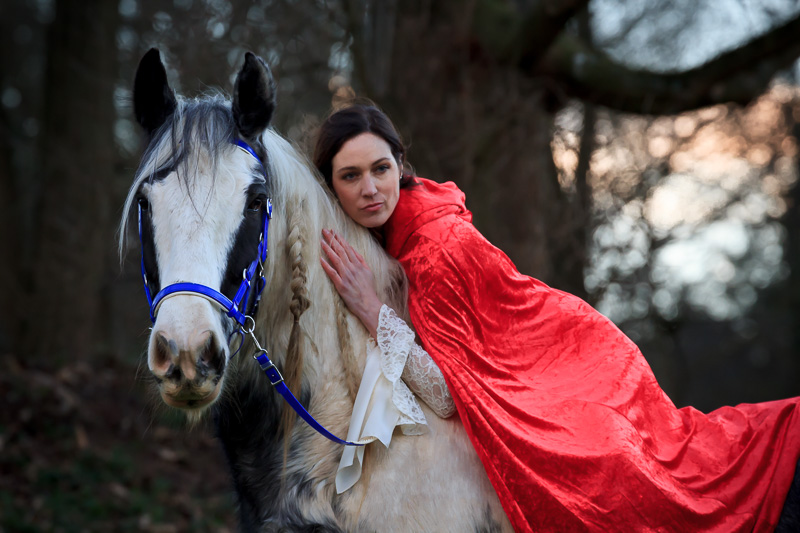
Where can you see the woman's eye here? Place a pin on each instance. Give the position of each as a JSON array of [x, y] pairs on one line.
[[382, 168], [256, 205]]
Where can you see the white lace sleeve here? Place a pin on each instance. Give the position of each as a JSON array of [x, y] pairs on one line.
[[426, 380], [402, 356], [383, 403]]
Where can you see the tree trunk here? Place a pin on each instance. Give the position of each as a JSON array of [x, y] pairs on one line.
[[9, 293], [21, 66], [75, 226], [485, 126]]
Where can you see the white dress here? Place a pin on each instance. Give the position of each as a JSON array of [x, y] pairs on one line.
[[384, 400]]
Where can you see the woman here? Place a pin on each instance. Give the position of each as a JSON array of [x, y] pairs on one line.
[[565, 414]]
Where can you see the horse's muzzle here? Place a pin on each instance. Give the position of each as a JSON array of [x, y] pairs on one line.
[[188, 371]]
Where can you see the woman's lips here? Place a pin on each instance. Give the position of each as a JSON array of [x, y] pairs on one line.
[[371, 208]]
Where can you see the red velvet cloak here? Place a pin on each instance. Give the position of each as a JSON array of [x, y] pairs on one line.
[[572, 428]]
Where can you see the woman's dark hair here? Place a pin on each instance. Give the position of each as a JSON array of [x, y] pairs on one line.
[[346, 123]]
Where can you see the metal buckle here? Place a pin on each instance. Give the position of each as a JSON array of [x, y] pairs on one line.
[[269, 369]]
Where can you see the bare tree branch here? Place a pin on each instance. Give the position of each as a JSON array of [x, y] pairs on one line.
[[738, 76], [522, 38]]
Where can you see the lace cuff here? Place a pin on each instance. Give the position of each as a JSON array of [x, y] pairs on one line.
[[401, 356], [384, 401], [376, 413]]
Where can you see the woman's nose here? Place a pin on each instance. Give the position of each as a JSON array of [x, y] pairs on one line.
[[369, 188]]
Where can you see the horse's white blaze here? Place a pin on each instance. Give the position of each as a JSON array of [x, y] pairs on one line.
[[193, 235]]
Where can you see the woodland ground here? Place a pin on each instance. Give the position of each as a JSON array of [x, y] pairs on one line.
[[83, 449]]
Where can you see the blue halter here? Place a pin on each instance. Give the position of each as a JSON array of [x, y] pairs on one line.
[[236, 309]]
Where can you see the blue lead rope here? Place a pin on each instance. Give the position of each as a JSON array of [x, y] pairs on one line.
[[276, 380], [236, 309]]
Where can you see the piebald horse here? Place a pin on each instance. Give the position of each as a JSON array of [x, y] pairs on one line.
[[200, 198]]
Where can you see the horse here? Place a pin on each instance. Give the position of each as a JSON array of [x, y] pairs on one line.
[[208, 178]]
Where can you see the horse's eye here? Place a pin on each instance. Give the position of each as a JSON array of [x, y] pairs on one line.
[[256, 205], [144, 205]]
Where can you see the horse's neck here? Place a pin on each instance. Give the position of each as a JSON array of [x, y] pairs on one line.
[[327, 377], [302, 210], [324, 374], [299, 224]]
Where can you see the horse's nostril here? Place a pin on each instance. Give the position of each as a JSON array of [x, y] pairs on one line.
[[211, 356], [164, 352], [194, 358], [173, 373]]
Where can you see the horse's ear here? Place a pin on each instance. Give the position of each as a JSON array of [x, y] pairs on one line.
[[253, 97], [153, 99]]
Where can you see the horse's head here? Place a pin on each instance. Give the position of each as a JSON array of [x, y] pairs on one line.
[[201, 197]]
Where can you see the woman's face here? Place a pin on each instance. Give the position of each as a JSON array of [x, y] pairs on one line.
[[366, 179]]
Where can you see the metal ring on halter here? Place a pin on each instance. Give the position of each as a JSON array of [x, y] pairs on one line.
[[260, 351], [252, 328]]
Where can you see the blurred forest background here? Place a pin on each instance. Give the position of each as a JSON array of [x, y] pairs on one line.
[[642, 154]]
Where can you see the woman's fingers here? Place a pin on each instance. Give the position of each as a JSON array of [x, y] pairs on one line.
[[333, 257], [338, 260], [338, 252], [351, 252], [349, 265], [334, 245], [343, 248], [331, 272], [352, 279]]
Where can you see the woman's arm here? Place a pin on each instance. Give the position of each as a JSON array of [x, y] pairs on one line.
[[355, 283], [425, 379], [421, 374]]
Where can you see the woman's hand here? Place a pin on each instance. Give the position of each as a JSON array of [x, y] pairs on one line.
[[352, 278]]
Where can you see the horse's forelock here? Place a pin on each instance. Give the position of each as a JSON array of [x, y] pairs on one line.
[[198, 132]]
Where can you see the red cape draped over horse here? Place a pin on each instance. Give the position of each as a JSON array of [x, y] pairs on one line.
[[572, 427]]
